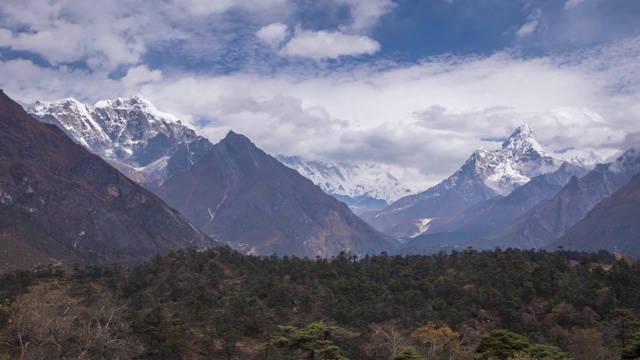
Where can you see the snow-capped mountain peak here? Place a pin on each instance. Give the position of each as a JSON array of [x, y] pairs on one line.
[[371, 181], [522, 141], [520, 159], [587, 160], [137, 103], [147, 144], [486, 174]]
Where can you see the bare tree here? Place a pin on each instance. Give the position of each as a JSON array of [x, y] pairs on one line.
[[48, 323]]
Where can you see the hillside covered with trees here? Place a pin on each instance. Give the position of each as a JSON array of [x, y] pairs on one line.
[[218, 304]]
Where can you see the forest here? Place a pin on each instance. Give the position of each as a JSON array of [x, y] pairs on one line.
[[219, 304]]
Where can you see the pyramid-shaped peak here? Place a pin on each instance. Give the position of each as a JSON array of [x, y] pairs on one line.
[[522, 139], [233, 136]]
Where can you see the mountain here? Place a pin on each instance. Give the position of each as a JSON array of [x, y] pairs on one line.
[[484, 175], [147, 145], [60, 203], [611, 225], [550, 220], [492, 214], [486, 218], [240, 195], [364, 187]]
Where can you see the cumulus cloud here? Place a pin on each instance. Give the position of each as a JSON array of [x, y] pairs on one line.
[[68, 32], [273, 34], [328, 45], [425, 117], [140, 75]]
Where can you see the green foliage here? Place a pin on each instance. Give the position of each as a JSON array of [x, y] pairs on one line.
[[221, 304], [315, 340], [502, 344], [632, 351], [548, 352], [408, 354]]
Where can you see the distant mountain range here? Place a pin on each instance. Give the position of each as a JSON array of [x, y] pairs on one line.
[[516, 196], [146, 144], [553, 218], [60, 203], [150, 146], [611, 225], [539, 215], [364, 187], [484, 175]]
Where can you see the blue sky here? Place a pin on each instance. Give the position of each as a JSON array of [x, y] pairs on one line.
[[417, 85]]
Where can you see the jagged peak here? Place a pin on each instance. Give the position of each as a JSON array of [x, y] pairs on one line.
[[41, 108], [125, 101], [69, 100], [136, 102], [522, 139]]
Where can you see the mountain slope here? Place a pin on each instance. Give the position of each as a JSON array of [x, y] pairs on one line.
[[611, 225], [571, 204], [246, 198], [496, 212], [61, 202], [366, 187], [147, 145], [484, 175]]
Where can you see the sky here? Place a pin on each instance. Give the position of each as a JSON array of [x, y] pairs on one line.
[[416, 85]]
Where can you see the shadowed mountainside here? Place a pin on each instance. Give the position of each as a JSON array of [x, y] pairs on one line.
[[242, 196], [61, 203]]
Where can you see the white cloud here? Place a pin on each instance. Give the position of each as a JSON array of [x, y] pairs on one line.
[[324, 44], [365, 14], [140, 75], [208, 7], [273, 34], [424, 117], [533, 20], [65, 32], [570, 4]]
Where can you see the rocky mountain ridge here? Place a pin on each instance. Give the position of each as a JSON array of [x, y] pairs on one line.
[[60, 203], [146, 144], [245, 198], [484, 175]]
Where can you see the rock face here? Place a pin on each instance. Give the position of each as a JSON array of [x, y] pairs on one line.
[[611, 225], [59, 201], [486, 174], [147, 145], [364, 187], [243, 197], [571, 204]]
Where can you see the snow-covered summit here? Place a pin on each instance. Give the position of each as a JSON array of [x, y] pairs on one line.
[[487, 173], [520, 159], [147, 144], [587, 160], [136, 103], [522, 141]]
